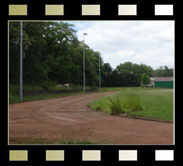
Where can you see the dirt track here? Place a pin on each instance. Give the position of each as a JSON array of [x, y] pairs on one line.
[[69, 118]]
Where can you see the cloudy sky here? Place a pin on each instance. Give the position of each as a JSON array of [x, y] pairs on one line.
[[147, 42]]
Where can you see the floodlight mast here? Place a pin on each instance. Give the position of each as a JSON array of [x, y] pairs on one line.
[[84, 77], [21, 61], [99, 74]]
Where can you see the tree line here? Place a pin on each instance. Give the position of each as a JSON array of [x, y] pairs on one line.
[[131, 74], [52, 53]]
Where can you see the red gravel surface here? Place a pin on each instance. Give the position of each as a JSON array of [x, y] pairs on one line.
[[70, 118]]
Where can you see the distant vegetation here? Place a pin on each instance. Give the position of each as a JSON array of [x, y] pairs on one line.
[[52, 54], [153, 103]]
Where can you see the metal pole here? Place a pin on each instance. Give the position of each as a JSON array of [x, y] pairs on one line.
[[83, 63], [99, 74], [21, 60], [84, 78]]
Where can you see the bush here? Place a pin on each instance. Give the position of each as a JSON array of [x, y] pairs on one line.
[[47, 85]]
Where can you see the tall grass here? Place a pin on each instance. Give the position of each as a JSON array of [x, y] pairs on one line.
[[118, 104], [124, 104]]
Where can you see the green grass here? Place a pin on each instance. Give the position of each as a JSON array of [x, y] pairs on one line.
[[127, 89], [125, 103], [73, 142], [15, 98], [14, 92], [33, 141], [155, 103]]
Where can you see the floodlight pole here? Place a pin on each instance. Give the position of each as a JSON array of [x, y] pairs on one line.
[[21, 60], [99, 74], [84, 78]]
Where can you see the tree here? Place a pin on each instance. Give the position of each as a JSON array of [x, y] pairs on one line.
[[52, 52], [106, 71], [115, 79], [163, 71], [145, 79], [130, 74]]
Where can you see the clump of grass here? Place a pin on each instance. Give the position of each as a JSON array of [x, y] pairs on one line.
[[132, 103], [101, 105], [117, 104], [124, 104]]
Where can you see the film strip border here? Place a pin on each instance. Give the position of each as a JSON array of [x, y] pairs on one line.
[[91, 10], [88, 10], [77, 156], [42, 156]]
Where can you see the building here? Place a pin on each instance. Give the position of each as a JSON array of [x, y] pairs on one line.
[[162, 82]]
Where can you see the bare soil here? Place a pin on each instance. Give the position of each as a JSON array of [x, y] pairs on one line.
[[70, 118]]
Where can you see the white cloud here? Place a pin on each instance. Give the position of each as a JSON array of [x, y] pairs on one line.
[[148, 42]]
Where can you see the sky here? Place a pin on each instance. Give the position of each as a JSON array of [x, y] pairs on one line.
[[147, 42]]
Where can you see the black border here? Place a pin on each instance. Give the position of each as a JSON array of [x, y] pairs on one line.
[[72, 11]]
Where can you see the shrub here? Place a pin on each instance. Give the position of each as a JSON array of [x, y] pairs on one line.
[[47, 85]]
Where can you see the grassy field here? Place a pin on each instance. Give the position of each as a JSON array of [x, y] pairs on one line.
[[155, 103]]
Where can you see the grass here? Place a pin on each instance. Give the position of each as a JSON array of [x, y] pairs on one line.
[[14, 92], [124, 104], [155, 103], [33, 141], [15, 98], [127, 89]]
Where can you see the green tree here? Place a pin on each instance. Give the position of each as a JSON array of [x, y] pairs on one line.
[[163, 71], [52, 52], [106, 71], [145, 79], [130, 74]]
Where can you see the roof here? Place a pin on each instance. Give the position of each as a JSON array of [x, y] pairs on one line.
[[163, 79]]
